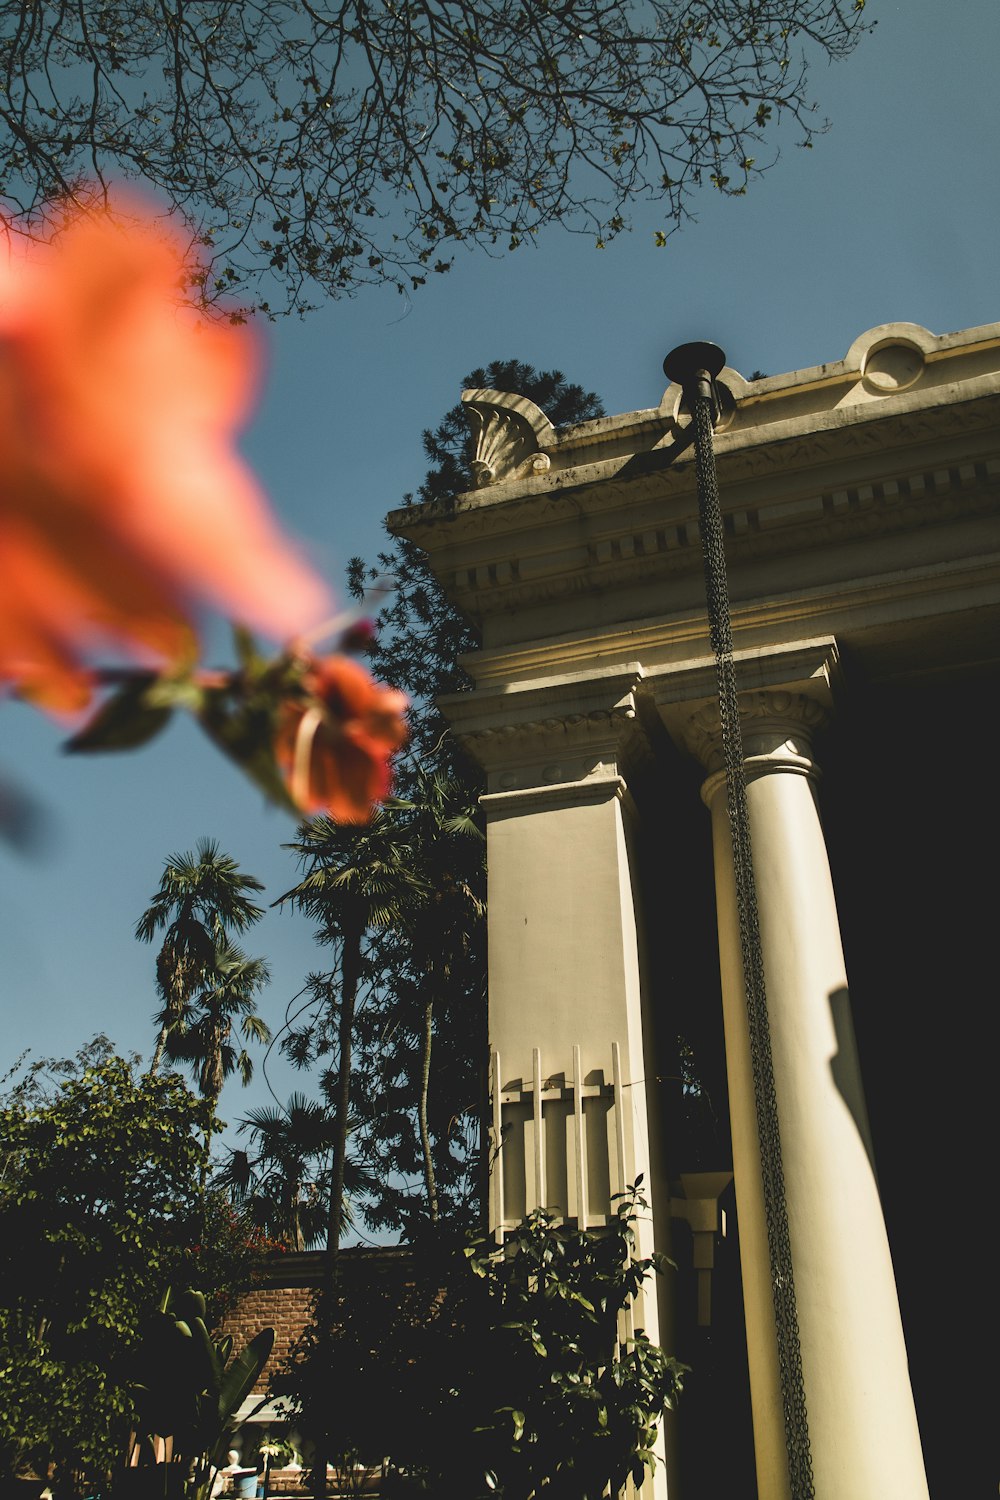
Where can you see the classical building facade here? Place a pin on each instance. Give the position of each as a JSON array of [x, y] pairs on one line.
[[860, 501]]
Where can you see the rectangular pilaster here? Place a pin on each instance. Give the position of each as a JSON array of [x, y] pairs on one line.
[[566, 1012]]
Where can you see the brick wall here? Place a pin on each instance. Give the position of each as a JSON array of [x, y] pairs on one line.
[[284, 1308], [282, 1299]]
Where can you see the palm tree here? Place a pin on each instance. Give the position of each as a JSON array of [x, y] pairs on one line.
[[441, 811], [284, 1182], [356, 878], [225, 999], [202, 900]]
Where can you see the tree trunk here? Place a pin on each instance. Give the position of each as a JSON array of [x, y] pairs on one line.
[[212, 1079], [294, 1214], [175, 977], [203, 1174], [206, 1158], [161, 1042], [349, 971], [430, 1183]]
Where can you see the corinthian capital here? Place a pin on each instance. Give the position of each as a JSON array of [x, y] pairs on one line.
[[777, 728]]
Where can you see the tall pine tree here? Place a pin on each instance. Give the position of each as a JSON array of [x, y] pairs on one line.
[[419, 1029]]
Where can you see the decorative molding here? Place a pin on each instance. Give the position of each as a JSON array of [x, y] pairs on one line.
[[508, 432], [912, 337], [880, 508], [558, 1179], [777, 728], [893, 365], [575, 728], [559, 749], [786, 694], [572, 729], [605, 787], [810, 666]]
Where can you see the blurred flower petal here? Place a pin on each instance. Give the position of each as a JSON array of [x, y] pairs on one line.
[[334, 746], [122, 501]]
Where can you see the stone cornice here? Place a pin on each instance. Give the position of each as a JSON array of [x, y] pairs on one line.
[[631, 520], [895, 366], [560, 731]]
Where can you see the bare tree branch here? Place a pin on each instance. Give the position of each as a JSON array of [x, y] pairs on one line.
[[314, 146]]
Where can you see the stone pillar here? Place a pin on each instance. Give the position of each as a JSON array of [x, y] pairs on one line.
[[862, 1426], [565, 972]]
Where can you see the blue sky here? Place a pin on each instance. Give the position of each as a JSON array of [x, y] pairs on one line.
[[894, 215]]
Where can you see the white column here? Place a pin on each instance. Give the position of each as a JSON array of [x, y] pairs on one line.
[[563, 951], [862, 1426], [565, 980]]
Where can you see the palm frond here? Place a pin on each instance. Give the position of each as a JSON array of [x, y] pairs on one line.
[[255, 1029]]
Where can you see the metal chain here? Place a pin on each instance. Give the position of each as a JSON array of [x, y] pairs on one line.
[[793, 1397]]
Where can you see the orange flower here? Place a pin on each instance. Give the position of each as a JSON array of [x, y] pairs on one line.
[[333, 748], [122, 502]]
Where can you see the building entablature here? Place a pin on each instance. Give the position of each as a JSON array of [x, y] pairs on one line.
[[895, 370], [860, 500], [593, 727], [558, 731]]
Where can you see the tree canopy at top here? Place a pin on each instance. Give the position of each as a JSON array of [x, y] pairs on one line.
[[313, 146]]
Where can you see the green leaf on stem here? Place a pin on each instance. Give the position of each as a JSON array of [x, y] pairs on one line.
[[125, 720]]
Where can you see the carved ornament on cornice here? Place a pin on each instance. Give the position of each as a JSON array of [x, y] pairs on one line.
[[508, 432]]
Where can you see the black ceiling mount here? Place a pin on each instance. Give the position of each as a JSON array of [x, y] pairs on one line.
[[688, 360]]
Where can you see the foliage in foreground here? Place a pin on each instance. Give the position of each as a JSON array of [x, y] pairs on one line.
[[188, 1387], [100, 1209], [493, 1372]]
